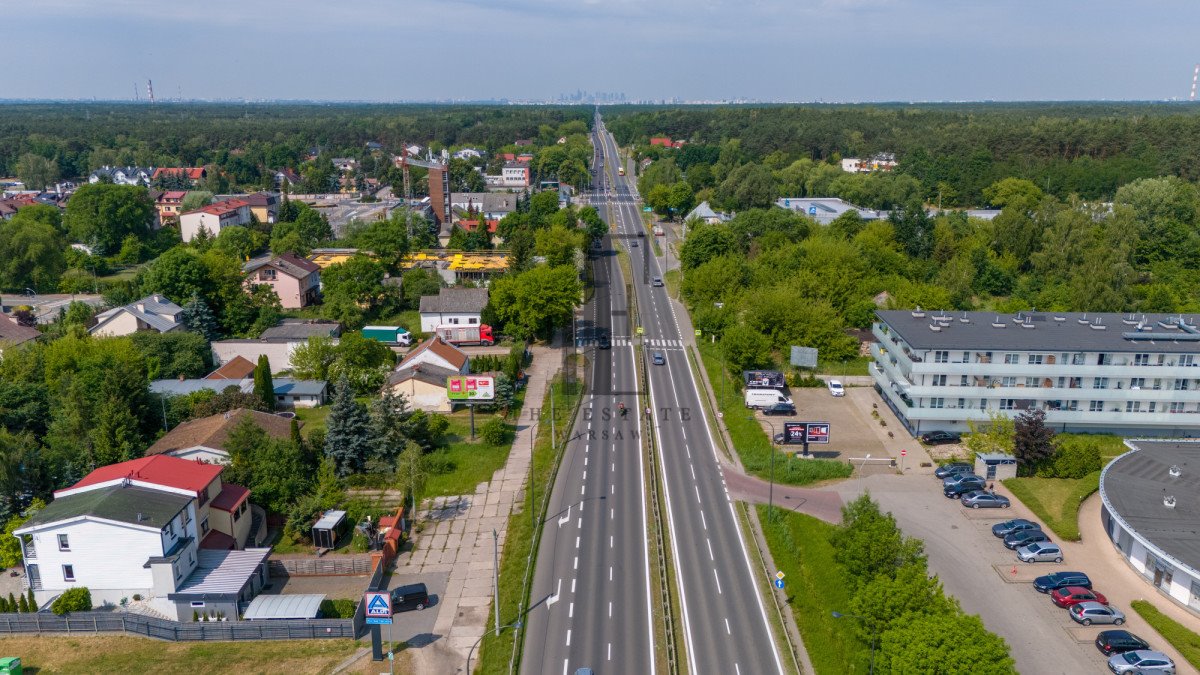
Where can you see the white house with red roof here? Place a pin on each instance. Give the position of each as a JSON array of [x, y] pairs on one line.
[[157, 526], [213, 217]]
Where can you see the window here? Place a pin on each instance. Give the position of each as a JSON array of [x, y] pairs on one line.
[[1007, 404], [197, 603], [938, 381], [937, 403], [472, 321], [267, 275], [966, 357], [1073, 406], [203, 497], [454, 321], [1008, 382], [1137, 382], [1141, 359], [68, 573], [63, 544], [1133, 406], [1104, 359], [1062, 382], [1076, 360], [1032, 382], [204, 527], [1180, 385], [1100, 383], [963, 382], [962, 403], [1176, 407], [1035, 359], [941, 357], [1011, 359], [1096, 406], [1187, 359]]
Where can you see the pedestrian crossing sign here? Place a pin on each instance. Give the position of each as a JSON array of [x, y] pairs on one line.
[[639, 330], [698, 331]]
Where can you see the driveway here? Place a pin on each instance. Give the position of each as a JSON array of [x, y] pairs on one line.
[[416, 627], [976, 568]]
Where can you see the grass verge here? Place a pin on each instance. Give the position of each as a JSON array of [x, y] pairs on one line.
[[671, 279], [815, 587], [470, 462], [751, 442], [121, 654], [779, 632], [1186, 641], [1055, 501], [856, 366], [495, 652]]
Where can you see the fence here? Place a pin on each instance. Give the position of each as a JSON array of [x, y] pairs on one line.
[[342, 566], [165, 629]]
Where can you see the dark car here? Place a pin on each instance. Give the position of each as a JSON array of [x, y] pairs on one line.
[[1024, 538], [1015, 525], [946, 470], [786, 409], [413, 596], [1055, 580], [779, 438], [1118, 642], [956, 478], [940, 437], [604, 342], [963, 487]]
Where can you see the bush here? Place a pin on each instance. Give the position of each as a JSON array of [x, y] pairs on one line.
[[73, 600], [494, 432], [437, 463], [804, 380], [1073, 458], [338, 609]]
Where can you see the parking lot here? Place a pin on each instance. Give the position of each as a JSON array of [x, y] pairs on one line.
[[851, 435]]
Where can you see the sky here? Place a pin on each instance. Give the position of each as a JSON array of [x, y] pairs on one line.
[[793, 50]]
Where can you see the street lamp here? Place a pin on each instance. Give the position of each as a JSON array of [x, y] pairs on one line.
[[471, 652], [771, 489], [874, 634]]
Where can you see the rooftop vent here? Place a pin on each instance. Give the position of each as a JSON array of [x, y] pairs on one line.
[[1129, 320], [937, 328], [1019, 318], [1083, 319], [1175, 471], [1098, 326], [1169, 501], [998, 323], [140, 517], [1060, 319], [1028, 324], [963, 318], [918, 313]]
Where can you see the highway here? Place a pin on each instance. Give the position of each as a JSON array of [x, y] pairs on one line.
[[593, 555], [724, 620]]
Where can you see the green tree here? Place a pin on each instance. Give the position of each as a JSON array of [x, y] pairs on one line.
[[10, 545], [886, 601], [103, 215], [312, 359], [174, 354], [115, 436], [78, 599], [868, 543], [1033, 441], [31, 253], [348, 440], [264, 386], [943, 644], [239, 242], [354, 290], [389, 421], [196, 199], [494, 432], [994, 436], [37, 172], [537, 301], [387, 239], [747, 187], [559, 245], [745, 348], [179, 273], [705, 242], [198, 318]]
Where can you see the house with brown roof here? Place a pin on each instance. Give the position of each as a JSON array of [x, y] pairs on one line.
[[169, 204], [192, 174], [437, 352], [213, 217], [204, 439], [13, 333], [238, 368], [295, 280], [264, 206]]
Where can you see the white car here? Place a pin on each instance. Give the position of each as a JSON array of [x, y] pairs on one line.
[[836, 388]]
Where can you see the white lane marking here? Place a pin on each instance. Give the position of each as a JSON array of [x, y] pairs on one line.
[[710, 555], [702, 521], [585, 474], [610, 541], [612, 490], [697, 488], [610, 651], [738, 671], [614, 466], [579, 523], [573, 583], [576, 542], [576, 567], [554, 598], [693, 468], [568, 637], [585, 459], [582, 488], [571, 611], [565, 667], [612, 513], [718, 579], [610, 572], [565, 518], [727, 631], [610, 609]]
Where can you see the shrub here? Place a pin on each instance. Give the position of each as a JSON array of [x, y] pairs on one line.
[[1073, 457], [73, 600], [494, 432], [338, 609], [437, 463], [137, 597], [195, 615]]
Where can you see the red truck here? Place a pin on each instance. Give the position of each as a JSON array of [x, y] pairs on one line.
[[467, 335]]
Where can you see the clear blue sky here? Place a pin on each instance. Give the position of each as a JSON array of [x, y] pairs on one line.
[[831, 50]]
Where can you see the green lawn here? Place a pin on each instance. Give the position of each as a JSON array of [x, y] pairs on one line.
[[1055, 500], [856, 366], [815, 586], [313, 418], [671, 279], [1186, 641], [473, 462], [751, 442], [410, 319]]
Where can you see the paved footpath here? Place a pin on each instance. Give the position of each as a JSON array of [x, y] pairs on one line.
[[457, 536]]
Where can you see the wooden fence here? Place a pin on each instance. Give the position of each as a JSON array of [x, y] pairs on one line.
[[332, 566]]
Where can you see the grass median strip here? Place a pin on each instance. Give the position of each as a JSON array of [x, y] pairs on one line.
[[1186, 641], [1055, 501]]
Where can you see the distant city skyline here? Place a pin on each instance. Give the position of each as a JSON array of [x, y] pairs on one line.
[[648, 50]]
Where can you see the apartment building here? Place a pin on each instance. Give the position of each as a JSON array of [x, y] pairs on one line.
[[1131, 374]]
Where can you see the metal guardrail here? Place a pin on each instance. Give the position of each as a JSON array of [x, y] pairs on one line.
[[175, 631]]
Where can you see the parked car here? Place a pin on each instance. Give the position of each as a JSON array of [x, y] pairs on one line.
[[1141, 661], [946, 470], [1015, 525], [779, 438], [1088, 613], [836, 388], [963, 487], [955, 478], [1024, 538], [786, 409], [1044, 551], [981, 499], [413, 596], [658, 358], [1049, 582], [940, 437], [1119, 642], [1073, 595]]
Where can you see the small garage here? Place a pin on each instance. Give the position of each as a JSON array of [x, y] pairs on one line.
[[299, 606], [995, 465], [329, 529]]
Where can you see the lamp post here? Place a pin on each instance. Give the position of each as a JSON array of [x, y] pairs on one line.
[[771, 489], [874, 635], [471, 652]]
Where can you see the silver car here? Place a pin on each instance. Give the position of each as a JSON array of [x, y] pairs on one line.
[[1042, 551], [982, 499], [1088, 613], [1142, 661]]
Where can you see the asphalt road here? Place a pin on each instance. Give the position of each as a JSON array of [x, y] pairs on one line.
[[592, 573], [725, 626]]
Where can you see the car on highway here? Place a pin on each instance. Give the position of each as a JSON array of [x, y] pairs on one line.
[[1073, 595], [1015, 525], [658, 358], [1141, 661], [1043, 551], [1024, 538], [836, 388], [785, 409], [1088, 613], [1118, 642], [656, 281], [633, 243], [940, 437], [604, 342], [962, 487], [412, 596], [1049, 582], [982, 499], [952, 468]]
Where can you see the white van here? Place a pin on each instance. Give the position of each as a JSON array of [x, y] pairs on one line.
[[761, 398]]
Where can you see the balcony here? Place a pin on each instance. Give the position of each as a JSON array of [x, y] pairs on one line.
[[30, 551]]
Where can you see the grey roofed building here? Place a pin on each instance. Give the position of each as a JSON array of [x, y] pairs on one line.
[[294, 606], [705, 212], [1046, 331], [288, 391], [153, 312], [222, 572], [491, 204], [13, 333], [825, 210], [127, 504], [302, 329], [455, 301]]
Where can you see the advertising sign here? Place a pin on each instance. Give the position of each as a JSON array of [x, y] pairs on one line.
[[817, 432], [470, 388], [378, 606], [804, 357], [797, 433]]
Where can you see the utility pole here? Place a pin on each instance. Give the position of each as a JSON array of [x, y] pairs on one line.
[[496, 577]]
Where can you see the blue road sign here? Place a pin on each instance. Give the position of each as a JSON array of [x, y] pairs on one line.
[[378, 607], [779, 584]]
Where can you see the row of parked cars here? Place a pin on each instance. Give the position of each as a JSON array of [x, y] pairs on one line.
[[960, 482]]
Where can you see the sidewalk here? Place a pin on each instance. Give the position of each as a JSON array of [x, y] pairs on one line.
[[458, 536]]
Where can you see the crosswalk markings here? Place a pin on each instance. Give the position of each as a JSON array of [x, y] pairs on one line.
[[626, 342]]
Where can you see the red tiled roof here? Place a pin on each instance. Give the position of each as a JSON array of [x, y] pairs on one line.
[[192, 172], [216, 540], [437, 345], [231, 496], [471, 225], [222, 207], [661, 140], [172, 196], [162, 470], [238, 368]]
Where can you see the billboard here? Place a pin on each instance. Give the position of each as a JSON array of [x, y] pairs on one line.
[[378, 607], [470, 387], [804, 357], [796, 433]]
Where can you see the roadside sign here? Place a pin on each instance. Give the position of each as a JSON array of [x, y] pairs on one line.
[[639, 330], [780, 574], [817, 432], [698, 332], [378, 607], [779, 584], [903, 453], [470, 387], [797, 433]]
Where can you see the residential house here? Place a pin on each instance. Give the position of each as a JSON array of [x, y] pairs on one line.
[[661, 141], [225, 213], [295, 280], [264, 206], [705, 213], [457, 266], [825, 210], [169, 204], [523, 143], [122, 175], [374, 146], [8, 209], [452, 307], [525, 157], [467, 153], [278, 351], [290, 393], [157, 526], [345, 164], [423, 386], [153, 312], [287, 177], [13, 333], [508, 156], [192, 175], [237, 368], [884, 161], [204, 439], [437, 352], [515, 175], [492, 205]]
